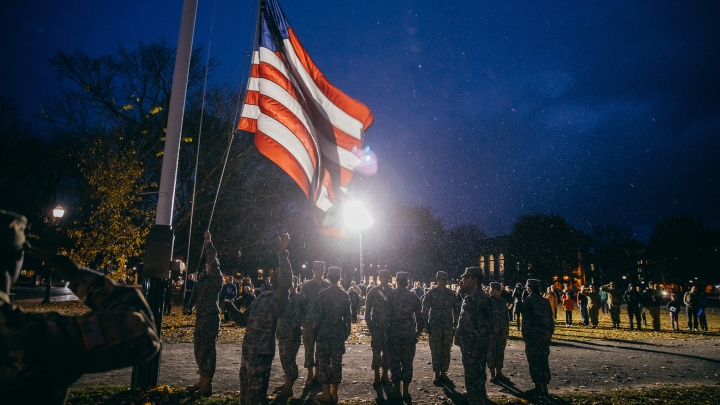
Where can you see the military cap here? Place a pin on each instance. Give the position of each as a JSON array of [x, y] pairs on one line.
[[533, 283], [334, 271], [317, 265], [401, 275], [442, 274], [495, 285], [384, 273], [473, 271], [518, 285], [12, 229]]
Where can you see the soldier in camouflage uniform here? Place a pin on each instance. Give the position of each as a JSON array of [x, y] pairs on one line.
[[377, 320], [441, 308], [406, 326], [260, 321], [334, 323], [615, 297], [538, 326], [42, 354], [309, 292], [594, 305], [473, 334], [288, 336], [499, 333], [207, 320]]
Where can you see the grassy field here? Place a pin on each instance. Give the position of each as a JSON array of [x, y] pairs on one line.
[[178, 328], [121, 395]]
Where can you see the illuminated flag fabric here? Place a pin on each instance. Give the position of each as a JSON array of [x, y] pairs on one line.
[[301, 121]]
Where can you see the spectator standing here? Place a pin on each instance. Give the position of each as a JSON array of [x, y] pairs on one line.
[[702, 317], [582, 302], [633, 299], [168, 297], [517, 298], [506, 294], [354, 301], [674, 307], [594, 305], [189, 285], [248, 296], [604, 301], [419, 291], [568, 305], [692, 301], [228, 293], [652, 299], [552, 299]]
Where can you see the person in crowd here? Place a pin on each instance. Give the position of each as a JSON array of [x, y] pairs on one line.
[[642, 306], [42, 354], [406, 326], [702, 316], [652, 297], [377, 319], [189, 285], [604, 302], [265, 286], [207, 319], [473, 334], [499, 334], [692, 301], [552, 299], [288, 335], [363, 289], [594, 305], [332, 330], [632, 298], [168, 297], [441, 309], [310, 291], [517, 307], [228, 293], [506, 294], [260, 322], [568, 305], [249, 296], [674, 307], [582, 302], [538, 327], [615, 301], [418, 290], [354, 301]]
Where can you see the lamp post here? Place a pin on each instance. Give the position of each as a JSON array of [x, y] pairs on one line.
[[57, 213], [357, 217]]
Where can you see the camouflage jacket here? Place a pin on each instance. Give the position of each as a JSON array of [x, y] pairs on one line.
[[500, 322], [475, 323], [377, 310], [55, 350], [309, 292], [440, 309], [334, 318], [406, 318], [538, 323], [207, 289], [261, 318], [288, 326], [615, 296], [594, 300]]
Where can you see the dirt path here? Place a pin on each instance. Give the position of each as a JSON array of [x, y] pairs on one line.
[[590, 366]]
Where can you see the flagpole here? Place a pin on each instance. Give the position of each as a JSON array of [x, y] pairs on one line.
[[159, 245]]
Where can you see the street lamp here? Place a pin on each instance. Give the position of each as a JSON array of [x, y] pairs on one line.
[[357, 217], [57, 213]]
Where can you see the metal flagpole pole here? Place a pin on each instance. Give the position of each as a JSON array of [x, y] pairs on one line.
[[159, 245]]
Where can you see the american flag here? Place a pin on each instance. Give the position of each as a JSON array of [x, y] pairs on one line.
[[301, 121]]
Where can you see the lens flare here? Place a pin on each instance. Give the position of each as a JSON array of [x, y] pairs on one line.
[[368, 161]]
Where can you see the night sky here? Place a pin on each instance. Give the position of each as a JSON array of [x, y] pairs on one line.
[[598, 111]]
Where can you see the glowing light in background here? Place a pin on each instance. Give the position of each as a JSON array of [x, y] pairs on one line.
[[368, 161]]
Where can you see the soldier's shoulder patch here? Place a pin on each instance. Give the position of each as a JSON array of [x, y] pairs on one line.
[[92, 333]]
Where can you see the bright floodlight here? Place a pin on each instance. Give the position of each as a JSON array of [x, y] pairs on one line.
[[356, 216], [58, 212]]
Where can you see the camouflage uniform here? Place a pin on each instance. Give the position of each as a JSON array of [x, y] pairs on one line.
[[288, 335], [499, 333], [42, 354], [377, 313], [473, 336], [334, 320], [615, 297], [258, 347], [594, 305], [538, 326], [309, 292], [441, 310], [406, 321], [207, 314]]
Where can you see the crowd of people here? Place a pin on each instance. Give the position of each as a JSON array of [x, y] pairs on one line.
[[319, 314]]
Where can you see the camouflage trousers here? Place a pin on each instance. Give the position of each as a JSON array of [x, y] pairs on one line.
[[204, 340], [288, 349], [402, 354], [537, 353], [475, 376], [255, 378], [594, 313], [309, 336], [441, 341], [496, 350], [329, 355], [615, 315], [378, 344]]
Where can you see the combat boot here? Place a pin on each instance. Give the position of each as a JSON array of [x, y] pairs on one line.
[[537, 391], [309, 379], [395, 394], [285, 390], [385, 379], [545, 390], [376, 381], [194, 387], [406, 391], [325, 396], [205, 389], [333, 392]]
